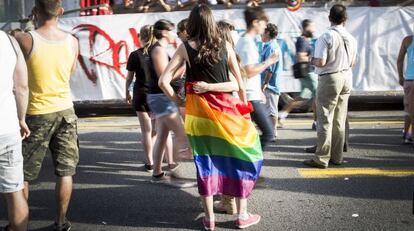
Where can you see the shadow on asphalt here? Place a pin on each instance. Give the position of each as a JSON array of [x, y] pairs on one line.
[[386, 142], [108, 193]]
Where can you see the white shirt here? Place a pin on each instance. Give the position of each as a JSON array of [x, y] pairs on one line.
[[330, 48], [9, 123], [248, 52]]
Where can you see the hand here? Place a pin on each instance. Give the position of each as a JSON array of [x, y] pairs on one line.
[[401, 81], [273, 58], [201, 87], [128, 98], [24, 129], [243, 96], [264, 87], [178, 100]]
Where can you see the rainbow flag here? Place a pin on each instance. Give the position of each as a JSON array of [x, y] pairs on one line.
[[225, 143]]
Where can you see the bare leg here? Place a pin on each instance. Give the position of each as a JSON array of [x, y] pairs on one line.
[[168, 151], [208, 207], [295, 104], [241, 206], [146, 133], [159, 146], [63, 192], [18, 211], [26, 190], [274, 120], [176, 125]]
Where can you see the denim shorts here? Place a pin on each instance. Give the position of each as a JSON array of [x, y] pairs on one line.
[[11, 164], [161, 105]]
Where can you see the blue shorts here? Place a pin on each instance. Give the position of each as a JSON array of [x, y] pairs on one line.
[[161, 105]]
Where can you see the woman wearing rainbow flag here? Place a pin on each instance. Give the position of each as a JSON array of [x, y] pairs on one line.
[[226, 146]]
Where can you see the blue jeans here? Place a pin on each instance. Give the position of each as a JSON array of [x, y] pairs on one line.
[[261, 117]]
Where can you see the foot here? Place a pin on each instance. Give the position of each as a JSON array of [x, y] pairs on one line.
[[314, 164], [173, 167], [407, 139], [67, 226], [208, 225], [346, 147], [149, 167], [161, 178], [314, 124], [252, 219], [311, 149], [174, 172], [335, 163]]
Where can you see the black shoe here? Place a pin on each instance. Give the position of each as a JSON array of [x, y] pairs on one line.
[[335, 163], [149, 167], [311, 149], [312, 163], [314, 125], [346, 147], [67, 226]]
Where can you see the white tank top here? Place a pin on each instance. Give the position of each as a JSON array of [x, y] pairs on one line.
[[9, 123]]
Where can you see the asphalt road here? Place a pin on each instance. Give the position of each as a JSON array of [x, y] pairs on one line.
[[372, 191]]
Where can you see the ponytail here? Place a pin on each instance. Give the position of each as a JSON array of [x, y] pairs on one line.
[[151, 41]]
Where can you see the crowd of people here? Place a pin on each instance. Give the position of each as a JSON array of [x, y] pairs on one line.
[[215, 101], [169, 5]]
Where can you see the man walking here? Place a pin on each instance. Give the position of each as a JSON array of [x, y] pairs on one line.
[[271, 76], [13, 102], [247, 49], [51, 56], [335, 54]]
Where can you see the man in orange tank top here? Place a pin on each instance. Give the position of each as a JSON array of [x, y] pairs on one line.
[[51, 56]]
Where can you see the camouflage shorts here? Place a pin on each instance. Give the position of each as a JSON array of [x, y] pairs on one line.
[[54, 131]]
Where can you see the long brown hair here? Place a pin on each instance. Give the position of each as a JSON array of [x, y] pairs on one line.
[[225, 29], [202, 29]]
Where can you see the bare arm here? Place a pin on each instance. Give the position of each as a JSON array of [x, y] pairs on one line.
[[167, 75], [76, 50], [26, 43], [267, 79], [401, 57], [202, 87], [21, 90], [318, 62], [129, 78], [302, 57], [253, 70], [234, 67]]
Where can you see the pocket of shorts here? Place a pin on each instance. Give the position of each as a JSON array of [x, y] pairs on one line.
[[11, 155], [71, 119]]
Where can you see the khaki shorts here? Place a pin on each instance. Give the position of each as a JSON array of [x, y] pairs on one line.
[[54, 131], [272, 101], [11, 164]]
